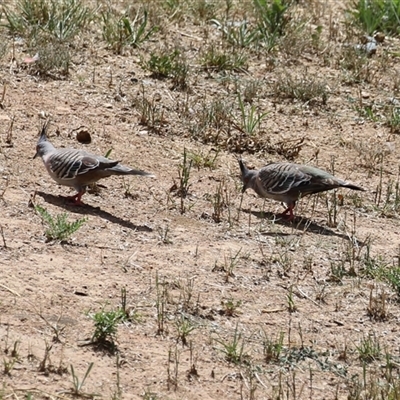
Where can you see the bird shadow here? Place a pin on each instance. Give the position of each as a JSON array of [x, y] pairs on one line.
[[88, 209], [300, 223]]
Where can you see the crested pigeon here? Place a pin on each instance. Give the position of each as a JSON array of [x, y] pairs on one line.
[[78, 168], [287, 182]]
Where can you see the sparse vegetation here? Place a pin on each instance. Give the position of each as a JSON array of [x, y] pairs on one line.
[[376, 15], [306, 88], [105, 328], [184, 327], [184, 171], [183, 286], [220, 202], [369, 348], [272, 20], [150, 112], [273, 348], [62, 20], [58, 228], [393, 277], [215, 59], [204, 160], [78, 384], [250, 119], [238, 34], [169, 65], [234, 349], [120, 32], [54, 59], [229, 307]]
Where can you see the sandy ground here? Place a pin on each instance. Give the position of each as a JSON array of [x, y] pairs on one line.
[[251, 274]]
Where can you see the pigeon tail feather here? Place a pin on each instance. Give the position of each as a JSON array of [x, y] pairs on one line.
[[353, 187], [122, 170]]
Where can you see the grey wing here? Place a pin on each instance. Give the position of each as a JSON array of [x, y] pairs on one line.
[[281, 179], [68, 164]]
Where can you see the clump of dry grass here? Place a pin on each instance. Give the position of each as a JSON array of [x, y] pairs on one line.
[[305, 88]]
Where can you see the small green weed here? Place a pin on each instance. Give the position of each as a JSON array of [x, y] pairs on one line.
[[129, 313], [393, 278], [374, 267], [58, 228], [184, 327], [204, 160], [250, 118], [369, 348], [169, 65], [106, 325], [60, 19], [238, 34], [204, 10], [271, 23], [234, 349], [229, 307], [54, 58], [120, 32], [291, 305], [151, 113], [229, 264], [184, 176], [338, 271], [376, 15], [217, 60], [8, 365], [392, 117], [272, 348], [272, 20], [306, 88], [211, 120], [77, 384], [161, 65], [220, 201], [367, 112]]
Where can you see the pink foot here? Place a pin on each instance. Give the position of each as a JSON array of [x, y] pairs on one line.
[[75, 200], [288, 214]]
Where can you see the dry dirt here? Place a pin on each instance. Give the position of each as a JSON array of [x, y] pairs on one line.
[[136, 237]]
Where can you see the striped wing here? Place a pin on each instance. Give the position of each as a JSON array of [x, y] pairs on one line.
[[284, 179], [68, 164]]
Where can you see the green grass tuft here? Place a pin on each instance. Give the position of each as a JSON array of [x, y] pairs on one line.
[[58, 228]]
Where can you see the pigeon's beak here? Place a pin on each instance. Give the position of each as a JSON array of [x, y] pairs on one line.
[[35, 155], [244, 188]]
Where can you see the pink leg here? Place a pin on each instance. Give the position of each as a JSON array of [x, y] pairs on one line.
[[289, 211], [76, 199]]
